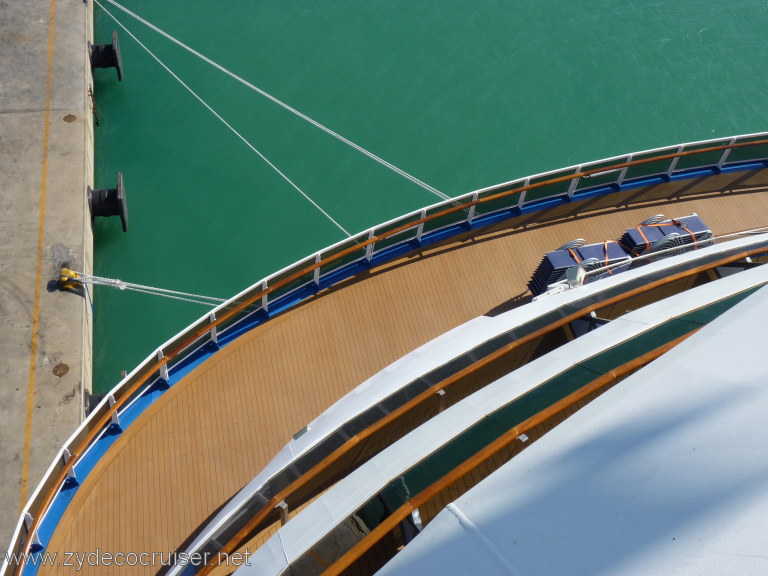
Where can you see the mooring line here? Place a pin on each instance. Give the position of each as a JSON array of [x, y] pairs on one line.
[[282, 104], [88, 279], [227, 124]]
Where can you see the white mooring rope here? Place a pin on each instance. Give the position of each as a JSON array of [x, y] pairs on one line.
[[235, 132], [87, 279], [279, 102]]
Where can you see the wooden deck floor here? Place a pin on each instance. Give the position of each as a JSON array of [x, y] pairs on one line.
[[214, 430]]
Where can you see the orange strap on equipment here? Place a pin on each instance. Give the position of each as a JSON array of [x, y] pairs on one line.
[[647, 242], [684, 227], [605, 250]]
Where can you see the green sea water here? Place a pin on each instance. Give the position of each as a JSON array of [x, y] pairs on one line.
[[461, 94]]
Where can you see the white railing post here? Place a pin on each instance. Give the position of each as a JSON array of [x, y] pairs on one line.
[[471, 214], [369, 247], [574, 182], [163, 366], [623, 173], [521, 201], [673, 164], [66, 456], [265, 297], [726, 153], [28, 520], [115, 417], [316, 275], [214, 332], [420, 229]]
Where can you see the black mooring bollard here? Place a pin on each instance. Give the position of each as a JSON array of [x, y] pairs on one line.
[[109, 202], [107, 56]]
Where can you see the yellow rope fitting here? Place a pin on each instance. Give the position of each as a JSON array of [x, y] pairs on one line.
[[68, 278]]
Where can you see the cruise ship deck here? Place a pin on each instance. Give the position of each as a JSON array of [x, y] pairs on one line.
[[221, 423]]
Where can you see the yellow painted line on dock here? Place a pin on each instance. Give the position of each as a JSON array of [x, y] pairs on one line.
[[39, 272]]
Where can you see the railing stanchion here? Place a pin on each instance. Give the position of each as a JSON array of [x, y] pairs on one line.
[[440, 400], [282, 508], [623, 173], [316, 275], [521, 200], [574, 182], [214, 331], [420, 229], [471, 214], [66, 456], [726, 153], [115, 417], [369, 247], [673, 164], [163, 367], [265, 297], [28, 520]]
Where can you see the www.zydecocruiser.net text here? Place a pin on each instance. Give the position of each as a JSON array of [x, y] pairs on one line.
[[99, 558]]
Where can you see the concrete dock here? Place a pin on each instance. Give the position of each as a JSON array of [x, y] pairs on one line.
[[46, 163]]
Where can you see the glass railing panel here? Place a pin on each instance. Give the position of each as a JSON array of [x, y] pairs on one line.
[[438, 222], [173, 345], [700, 159], [399, 237], [420, 476], [250, 299], [747, 153], [649, 168], [293, 278], [351, 254], [551, 185], [490, 203], [602, 174]]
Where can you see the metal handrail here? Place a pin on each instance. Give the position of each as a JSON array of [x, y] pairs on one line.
[[489, 451], [235, 310]]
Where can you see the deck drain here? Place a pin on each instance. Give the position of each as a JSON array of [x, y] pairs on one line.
[[60, 369], [69, 118]]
